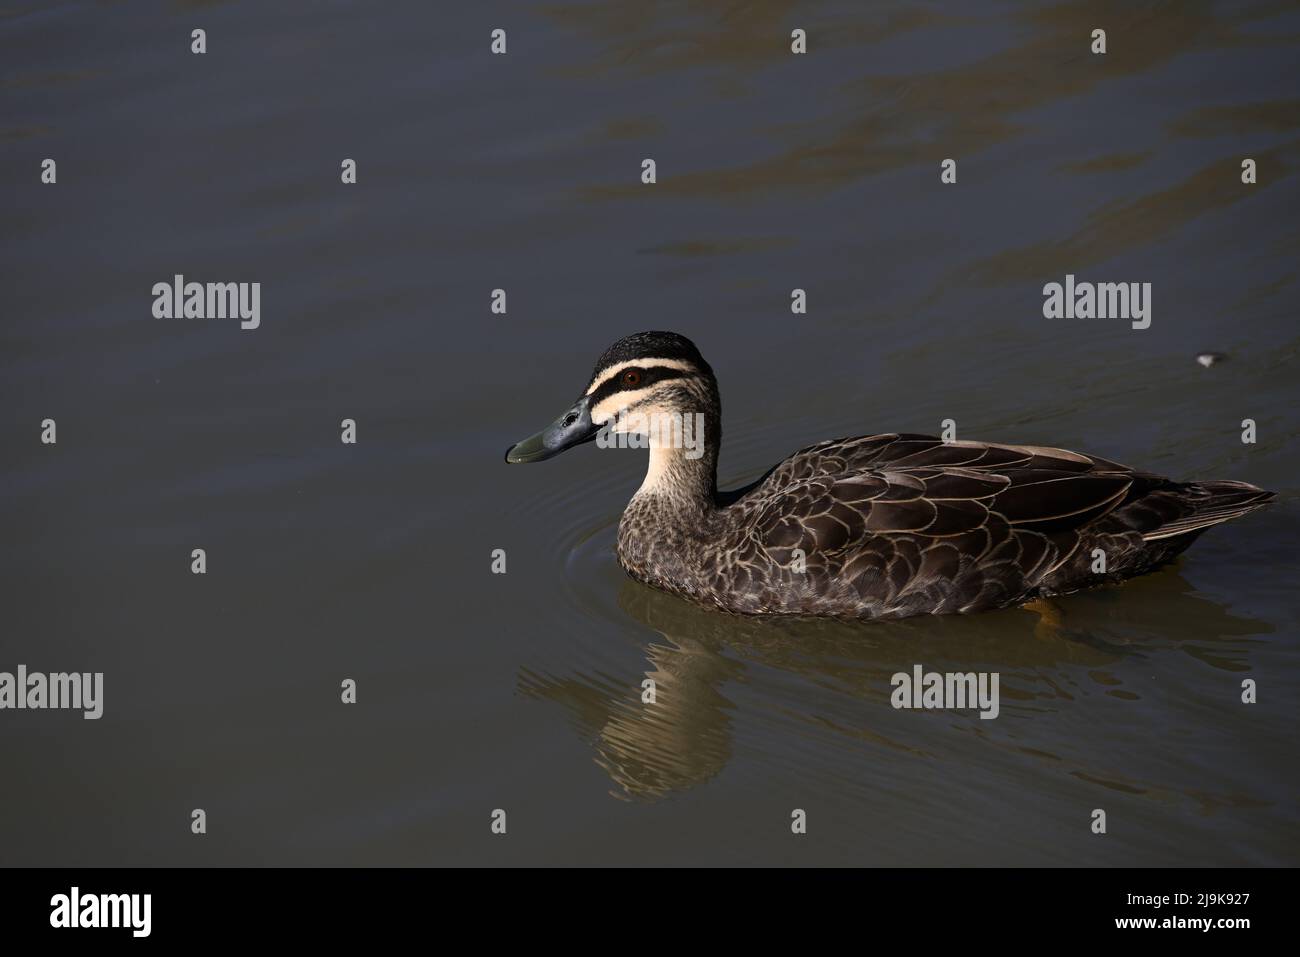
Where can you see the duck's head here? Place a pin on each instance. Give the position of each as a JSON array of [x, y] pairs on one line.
[[637, 381]]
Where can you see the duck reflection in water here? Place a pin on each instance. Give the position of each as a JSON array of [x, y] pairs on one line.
[[700, 673]]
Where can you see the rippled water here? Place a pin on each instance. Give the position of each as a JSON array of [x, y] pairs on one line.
[[521, 691]]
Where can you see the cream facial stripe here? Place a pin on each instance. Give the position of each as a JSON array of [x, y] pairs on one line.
[[609, 372], [610, 406]]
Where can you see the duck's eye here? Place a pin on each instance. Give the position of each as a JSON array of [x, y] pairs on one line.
[[632, 377]]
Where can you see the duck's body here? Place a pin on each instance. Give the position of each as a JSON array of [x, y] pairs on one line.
[[882, 526], [899, 525]]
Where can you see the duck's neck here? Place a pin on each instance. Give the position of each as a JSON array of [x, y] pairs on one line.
[[682, 477], [664, 532]]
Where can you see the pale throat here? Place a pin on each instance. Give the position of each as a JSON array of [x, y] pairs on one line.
[[674, 471]]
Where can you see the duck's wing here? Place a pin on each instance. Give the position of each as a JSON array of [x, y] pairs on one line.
[[917, 509], [906, 524]]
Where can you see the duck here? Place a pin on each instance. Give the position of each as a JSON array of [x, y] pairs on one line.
[[872, 527]]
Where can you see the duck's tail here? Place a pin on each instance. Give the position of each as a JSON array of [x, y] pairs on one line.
[[1212, 503]]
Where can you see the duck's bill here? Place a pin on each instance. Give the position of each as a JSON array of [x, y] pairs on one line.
[[572, 428]]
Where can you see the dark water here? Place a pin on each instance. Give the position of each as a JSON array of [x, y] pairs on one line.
[[521, 691]]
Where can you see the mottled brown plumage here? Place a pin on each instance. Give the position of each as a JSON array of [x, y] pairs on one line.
[[882, 526]]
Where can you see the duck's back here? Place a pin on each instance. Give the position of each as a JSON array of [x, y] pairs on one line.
[[895, 525]]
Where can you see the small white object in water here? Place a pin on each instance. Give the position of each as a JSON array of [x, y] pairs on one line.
[[1208, 359]]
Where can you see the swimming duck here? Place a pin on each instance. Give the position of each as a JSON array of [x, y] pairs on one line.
[[880, 526]]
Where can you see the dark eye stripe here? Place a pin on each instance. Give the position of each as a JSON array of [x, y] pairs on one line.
[[649, 376]]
